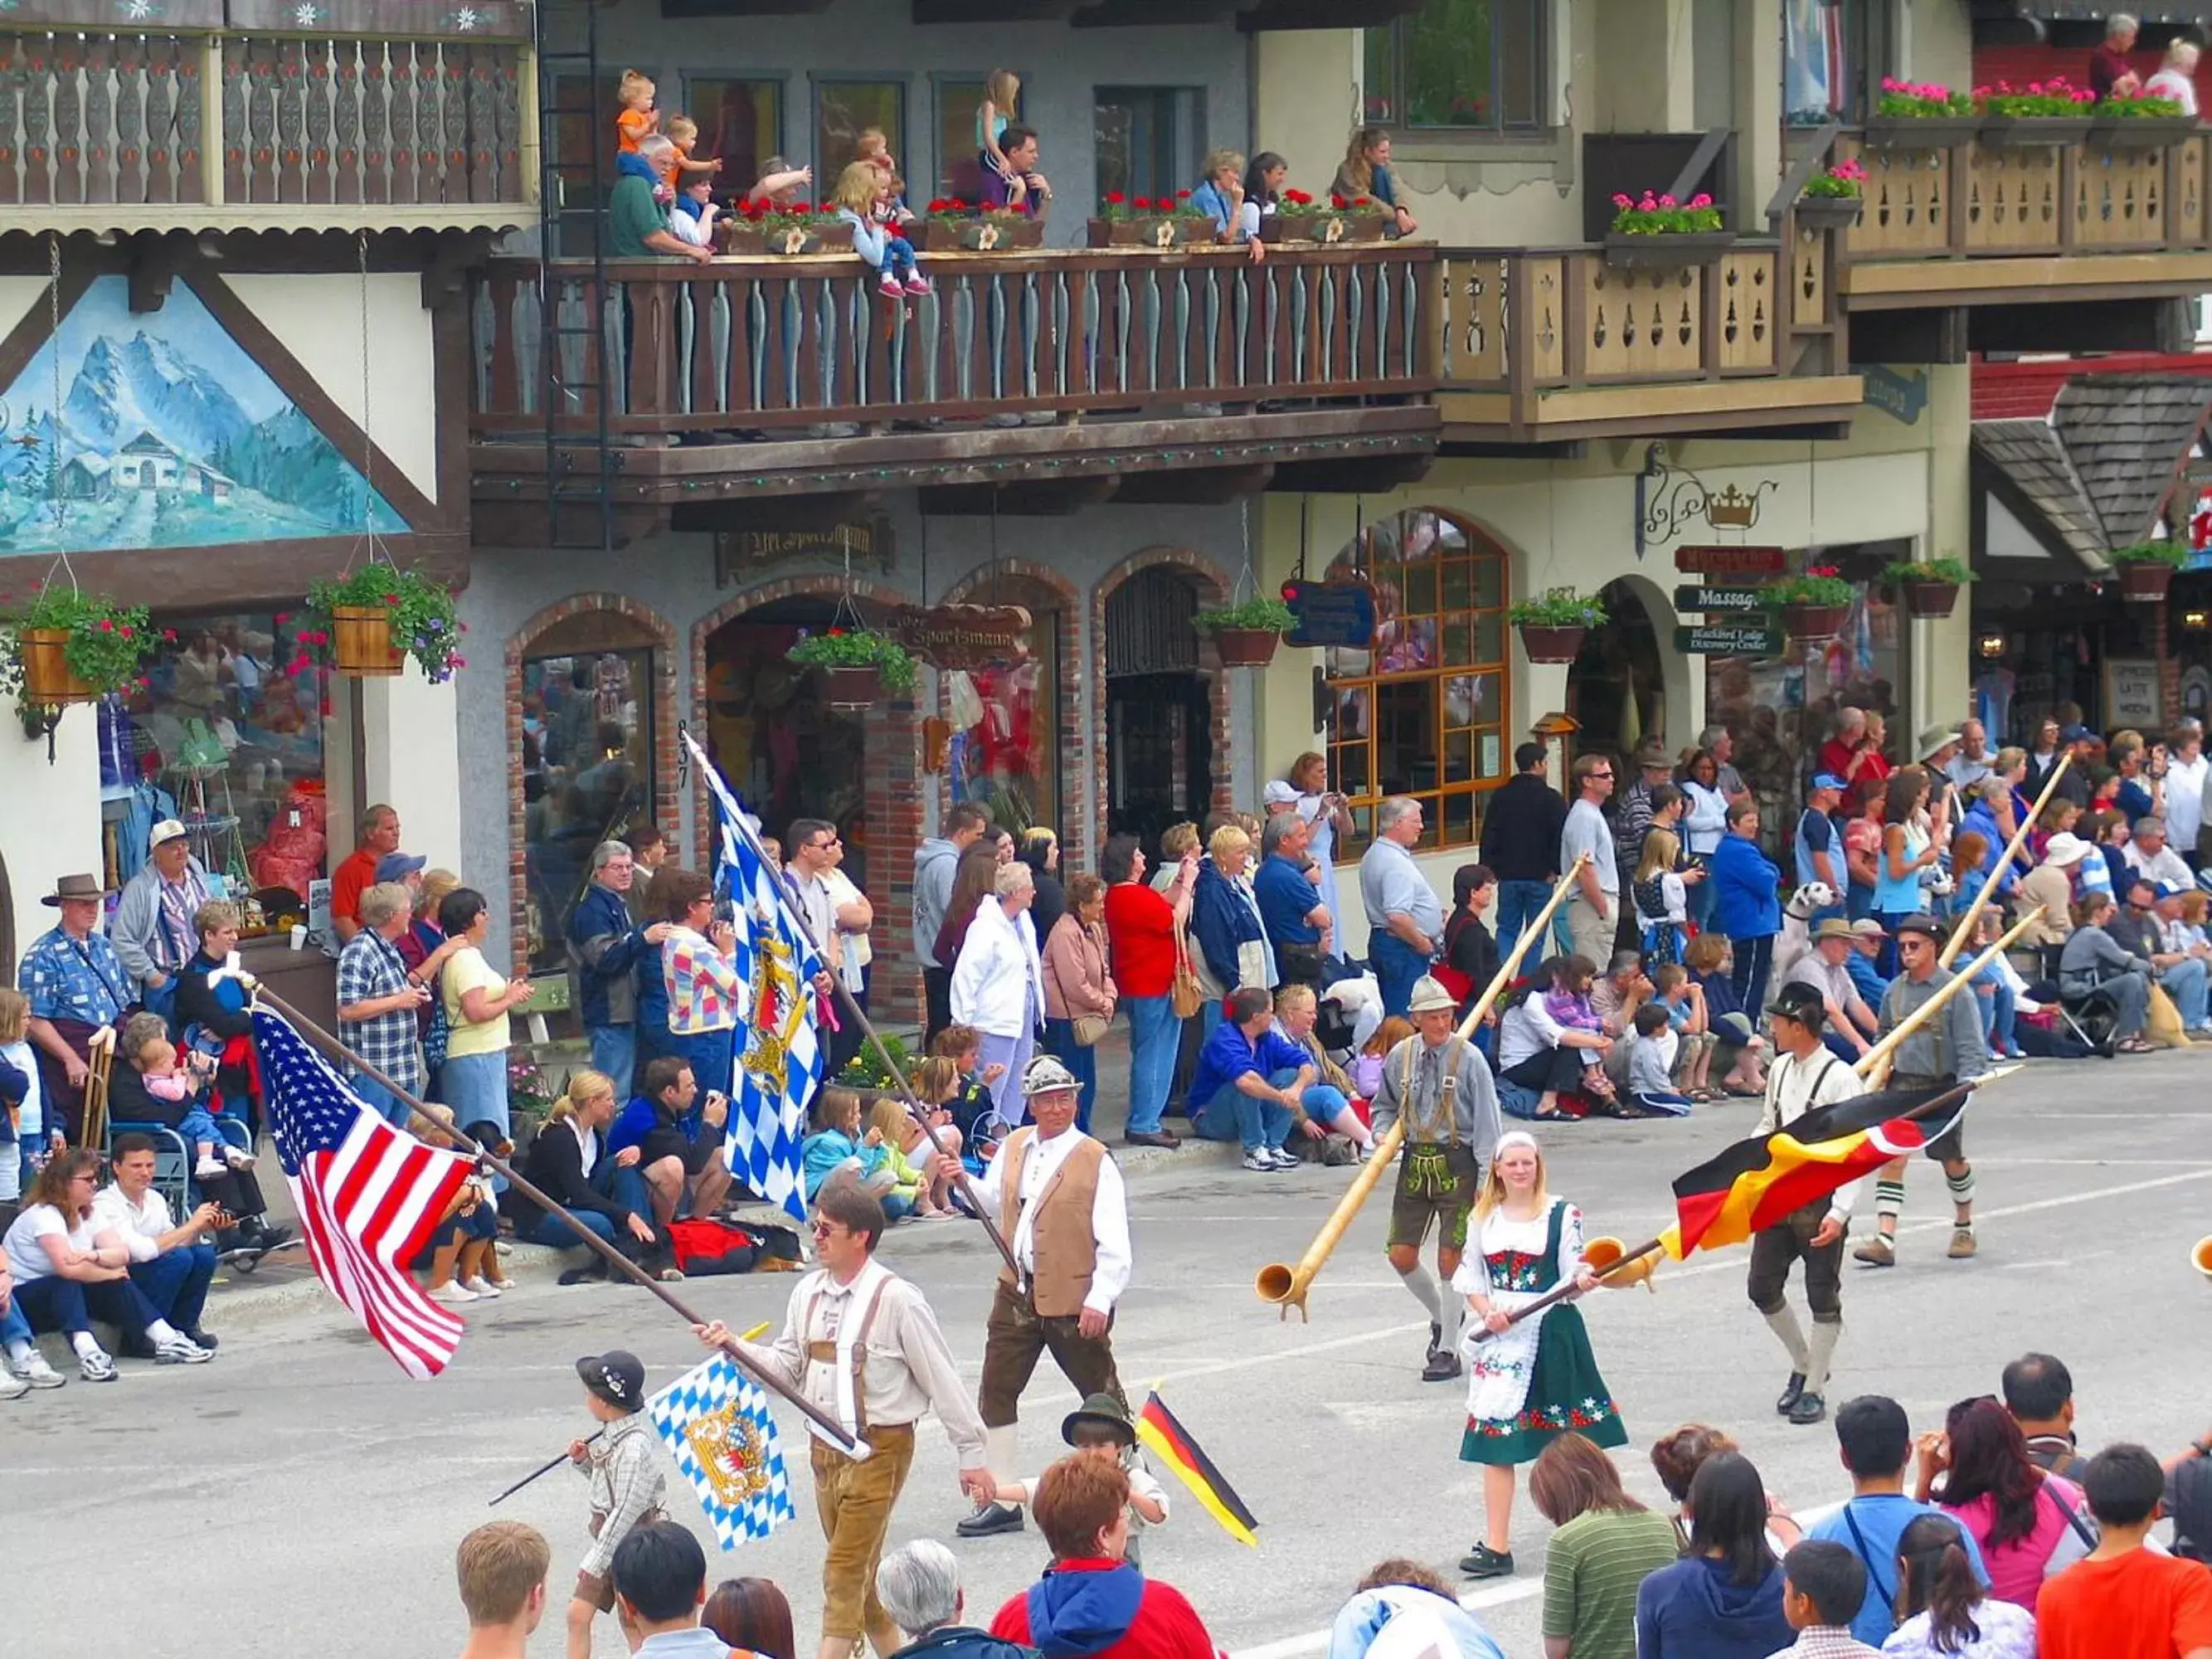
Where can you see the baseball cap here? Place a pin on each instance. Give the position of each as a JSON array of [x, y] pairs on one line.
[[1279, 794], [1829, 781], [397, 867], [2077, 734], [2166, 889], [167, 829]]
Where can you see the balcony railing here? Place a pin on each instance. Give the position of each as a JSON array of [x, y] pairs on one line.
[[789, 345]]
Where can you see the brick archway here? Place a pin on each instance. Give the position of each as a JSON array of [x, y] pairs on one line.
[[1079, 827], [890, 790], [1213, 584], [663, 633]]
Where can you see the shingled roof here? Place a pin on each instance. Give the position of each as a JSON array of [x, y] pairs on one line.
[[2031, 457], [2129, 437]]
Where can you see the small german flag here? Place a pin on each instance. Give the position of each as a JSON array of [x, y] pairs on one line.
[[1169, 1441], [1757, 1182]]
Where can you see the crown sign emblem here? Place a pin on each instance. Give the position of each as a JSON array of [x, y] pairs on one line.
[[1731, 509]]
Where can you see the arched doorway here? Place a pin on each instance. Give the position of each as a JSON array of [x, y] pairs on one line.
[[786, 752], [1014, 738], [1618, 687], [1160, 758]]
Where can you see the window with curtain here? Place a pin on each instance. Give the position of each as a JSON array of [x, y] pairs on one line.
[[1472, 64], [1423, 713], [843, 110], [740, 122], [1149, 140], [1834, 53]]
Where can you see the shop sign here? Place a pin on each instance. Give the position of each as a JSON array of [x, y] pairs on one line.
[[739, 554], [1728, 640], [1340, 614], [968, 637], [2130, 691], [1720, 598], [1901, 394], [1731, 561]]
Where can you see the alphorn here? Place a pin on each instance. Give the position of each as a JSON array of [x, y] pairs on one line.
[[1965, 930], [1286, 1285]]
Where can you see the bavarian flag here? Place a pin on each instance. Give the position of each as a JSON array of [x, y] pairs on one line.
[[1168, 1440], [1756, 1182]]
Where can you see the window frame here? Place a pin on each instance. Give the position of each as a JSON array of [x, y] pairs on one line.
[[780, 144], [941, 163], [825, 177], [1187, 130], [1407, 131]]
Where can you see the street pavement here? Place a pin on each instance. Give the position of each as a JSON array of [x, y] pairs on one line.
[[300, 1495]]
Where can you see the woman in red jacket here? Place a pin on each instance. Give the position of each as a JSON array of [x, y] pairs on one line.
[[1140, 935]]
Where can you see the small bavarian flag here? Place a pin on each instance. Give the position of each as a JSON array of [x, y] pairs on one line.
[[716, 1424]]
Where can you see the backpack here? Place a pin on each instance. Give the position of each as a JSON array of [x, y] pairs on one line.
[[706, 1246]]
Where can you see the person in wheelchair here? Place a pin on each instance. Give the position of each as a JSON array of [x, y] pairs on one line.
[[2095, 965]]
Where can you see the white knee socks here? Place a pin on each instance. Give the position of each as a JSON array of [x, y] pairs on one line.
[[1783, 1322], [1424, 1287], [999, 1451], [1822, 1353]]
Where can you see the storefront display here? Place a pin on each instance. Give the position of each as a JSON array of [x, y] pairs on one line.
[[785, 751], [586, 751]]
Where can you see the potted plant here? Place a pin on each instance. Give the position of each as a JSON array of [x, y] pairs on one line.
[[867, 1076], [1298, 217], [69, 647], [1165, 222], [1930, 586], [1920, 115], [2147, 569], [858, 664], [1832, 199], [1813, 602], [372, 619], [787, 227], [1247, 634], [1658, 231], [2140, 123], [2041, 113], [1551, 624], [952, 225]]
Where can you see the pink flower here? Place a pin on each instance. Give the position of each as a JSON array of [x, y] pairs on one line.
[[1621, 201], [1701, 200], [1669, 201]]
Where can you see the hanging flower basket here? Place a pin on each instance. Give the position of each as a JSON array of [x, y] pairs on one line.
[[47, 677], [2147, 569], [1552, 624], [852, 688], [1929, 587], [360, 641], [1246, 634], [1813, 602], [857, 664], [1813, 622], [67, 647], [1930, 600], [1246, 648], [369, 620]]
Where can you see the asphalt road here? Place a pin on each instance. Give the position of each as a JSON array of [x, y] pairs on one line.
[[300, 1495]]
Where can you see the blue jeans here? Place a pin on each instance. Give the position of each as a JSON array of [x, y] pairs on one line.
[[1518, 903], [1993, 996], [1153, 1033], [55, 1303], [199, 1124], [1698, 898], [176, 1282], [1060, 1039], [610, 1180], [2185, 983], [376, 1096], [1397, 967], [614, 1051], [1232, 1114], [898, 259], [14, 1327]]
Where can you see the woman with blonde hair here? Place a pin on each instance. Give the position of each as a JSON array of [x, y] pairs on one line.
[[1221, 197], [1224, 923], [569, 1163], [1662, 898], [1532, 1381]]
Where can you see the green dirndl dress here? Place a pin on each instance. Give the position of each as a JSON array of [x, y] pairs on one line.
[[1540, 1380]]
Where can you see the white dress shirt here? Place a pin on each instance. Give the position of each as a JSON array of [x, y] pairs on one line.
[[1795, 1086], [138, 1226], [2166, 866], [2185, 800], [1109, 1213]]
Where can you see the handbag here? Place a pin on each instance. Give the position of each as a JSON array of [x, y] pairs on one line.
[[1185, 997], [1090, 1028]]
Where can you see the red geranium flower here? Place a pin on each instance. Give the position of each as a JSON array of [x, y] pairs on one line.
[[1115, 197], [1334, 200], [1182, 194]]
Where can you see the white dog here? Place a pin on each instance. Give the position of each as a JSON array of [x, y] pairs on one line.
[[1796, 940], [1361, 1000]]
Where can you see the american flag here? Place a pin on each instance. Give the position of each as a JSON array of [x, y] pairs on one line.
[[368, 1194]]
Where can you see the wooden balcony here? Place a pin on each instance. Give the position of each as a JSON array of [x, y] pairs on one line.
[[234, 114], [1101, 370], [1549, 347]]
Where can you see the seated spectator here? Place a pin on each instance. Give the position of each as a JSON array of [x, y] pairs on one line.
[[1021, 188], [25, 1367], [569, 1163], [2125, 1601], [1650, 1073], [1605, 1546], [211, 1016], [866, 201], [2027, 1524], [838, 1143], [1538, 1052], [1091, 1604], [1624, 989], [2189, 1499], [1944, 1613], [660, 1575], [1676, 1457], [1417, 1609], [1250, 1083], [919, 1585], [172, 1262], [150, 1085], [68, 1268], [2107, 870], [2094, 961], [501, 1566], [1739, 1057], [753, 1615], [1292, 912], [1875, 1440], [1851, 1022], [2138, 930], [1724, 1599], [1864, 962], [458, 1256], [1684, 1000], [2148, 854], [1820, 1584], [1367, 1065], [680, 1154], [2050, 884], [1263, 189], [1221, 197], [2038, 1392], [1327, 1104]]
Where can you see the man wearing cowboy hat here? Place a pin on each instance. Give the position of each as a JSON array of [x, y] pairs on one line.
[[1063, 1210], [1937, 748], [75, 984], [152, 929], [1826, 971], [1440, 1083]]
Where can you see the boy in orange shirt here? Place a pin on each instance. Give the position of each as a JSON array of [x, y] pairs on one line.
[[2123, 1602], [638, 116]]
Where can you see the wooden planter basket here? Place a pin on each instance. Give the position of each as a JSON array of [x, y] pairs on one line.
[[360, 641], [47, 677]]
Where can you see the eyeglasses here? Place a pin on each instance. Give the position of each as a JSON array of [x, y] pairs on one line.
[[824, 1229]]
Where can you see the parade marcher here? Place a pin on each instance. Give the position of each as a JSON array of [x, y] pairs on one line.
[[1530, 1382], [1949, 1049], [1059, 1200], [1805, 1076], [1441, 1085], [626, 1486], [862, 1343]]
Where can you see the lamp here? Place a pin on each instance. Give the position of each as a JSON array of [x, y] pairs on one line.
[[1991, 644], [2195, 620]]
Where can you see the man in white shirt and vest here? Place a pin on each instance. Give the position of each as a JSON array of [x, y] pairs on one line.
[[1064, 1213], [862, 1343]]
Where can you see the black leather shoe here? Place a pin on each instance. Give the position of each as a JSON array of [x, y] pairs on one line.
[[265, 1239], [1159, 1138], [1435, 1336], [988, 1522], [1484, 1562], [1809, 1408], [1791, 1391], [202, 1339], [1441, 1368]]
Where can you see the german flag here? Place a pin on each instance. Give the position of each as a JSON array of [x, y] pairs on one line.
[[1168, 1440], [1756, 1182]]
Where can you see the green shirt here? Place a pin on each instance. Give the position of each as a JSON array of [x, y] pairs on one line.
[[1592, 1568], [633, 216]]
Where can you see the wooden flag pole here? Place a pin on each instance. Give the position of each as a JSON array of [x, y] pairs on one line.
[[1965, 930], [1875, 1065]]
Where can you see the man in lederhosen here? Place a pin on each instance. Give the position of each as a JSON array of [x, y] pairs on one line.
[[1440, 1082], [1804, 1077], [1061, 1208]]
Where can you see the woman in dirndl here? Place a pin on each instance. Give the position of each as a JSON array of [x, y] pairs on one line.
[[1529, 1383]]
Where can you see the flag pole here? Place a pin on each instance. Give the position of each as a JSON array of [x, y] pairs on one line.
[[1964, 931], [615, 1260]]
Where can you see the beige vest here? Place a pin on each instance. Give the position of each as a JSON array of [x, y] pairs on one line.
[[1066, 1250]]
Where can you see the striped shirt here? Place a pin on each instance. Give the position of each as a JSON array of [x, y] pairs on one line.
[[1592, 1568]]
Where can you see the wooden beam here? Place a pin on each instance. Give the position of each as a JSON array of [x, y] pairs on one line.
[[1938, 281], [1360, 476], [823, 512], [1483, 449], [1206, 487], [1050, 498], [1761, 396]]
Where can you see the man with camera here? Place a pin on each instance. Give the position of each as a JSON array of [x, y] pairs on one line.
[[676, 1152]]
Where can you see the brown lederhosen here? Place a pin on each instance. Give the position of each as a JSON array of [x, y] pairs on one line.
[[853, 1498], [1437, 1181], [600, 1591]]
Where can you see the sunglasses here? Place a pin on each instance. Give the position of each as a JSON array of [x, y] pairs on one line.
[[825, 1229]]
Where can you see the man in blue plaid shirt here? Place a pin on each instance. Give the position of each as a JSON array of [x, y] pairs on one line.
[[377, 1001]]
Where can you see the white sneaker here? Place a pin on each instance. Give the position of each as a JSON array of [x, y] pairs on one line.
[[1284, 1156], [238, 1157], [12, 1386], [96, 1366], [35, 1370], [211, 1165], [1261, 1162], [181, 1350], [452, 1294], [482, 1288]]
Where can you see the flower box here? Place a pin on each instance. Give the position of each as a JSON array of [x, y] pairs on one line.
[[992, 233], [2145, 579], [1920, 131], [2032, 131], [1666, 251], [1324, 227], [852, 688], [361, 640], [1154, 230], [817, 236], [1929, 600], [1554, 645], [1829, 212], [47, 677], [1812, 624], [1246, 648], [2141, 132]]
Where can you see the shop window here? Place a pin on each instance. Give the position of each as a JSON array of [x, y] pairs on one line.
[[226, 735], [1832, 52], [1005, 751], [843, 110], [1149, 140], [587, 747], [740, 124], [1469, 64], [958, 173], [1424, 713]]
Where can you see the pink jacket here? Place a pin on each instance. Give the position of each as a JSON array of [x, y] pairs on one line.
[[1075, 970]]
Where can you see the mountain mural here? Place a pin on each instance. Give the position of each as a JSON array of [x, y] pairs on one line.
[[166, 434]]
